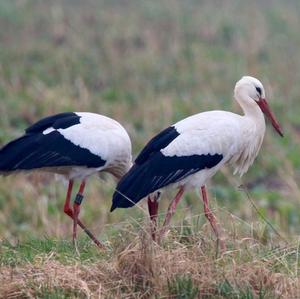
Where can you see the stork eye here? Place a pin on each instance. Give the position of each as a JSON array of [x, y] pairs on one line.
[[258, 89]]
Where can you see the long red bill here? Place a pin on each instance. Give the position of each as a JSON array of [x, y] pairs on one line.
[[265, 108]]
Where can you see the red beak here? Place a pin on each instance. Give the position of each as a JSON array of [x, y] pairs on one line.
[[265, 108]]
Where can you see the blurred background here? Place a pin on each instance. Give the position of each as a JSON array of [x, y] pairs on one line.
[[149, 64]]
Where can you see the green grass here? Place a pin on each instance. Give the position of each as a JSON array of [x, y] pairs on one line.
[[226, 290], [182, 287], [59, 293], [63, 251], [149, 64]]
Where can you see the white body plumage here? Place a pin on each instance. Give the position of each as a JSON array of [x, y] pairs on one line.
[[73, 144], [237, 138], [104, 137]]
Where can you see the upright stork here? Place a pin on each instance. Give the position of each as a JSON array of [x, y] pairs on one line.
[[75, 145], [188, 153]]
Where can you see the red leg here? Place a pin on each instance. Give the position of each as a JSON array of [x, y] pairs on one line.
[[171, 211], [153, 209], [76, 208], [67, 207], [212, 219], [68, 210]]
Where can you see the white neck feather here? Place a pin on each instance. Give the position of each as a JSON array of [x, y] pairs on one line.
[[253, 131]]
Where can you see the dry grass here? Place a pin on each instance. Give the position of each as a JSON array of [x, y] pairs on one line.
[[185, 266]]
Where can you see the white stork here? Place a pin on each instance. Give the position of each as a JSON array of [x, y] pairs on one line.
[[188, 153], [75, 145]]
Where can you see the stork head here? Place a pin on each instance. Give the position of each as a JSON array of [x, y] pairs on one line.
[[250, 92]]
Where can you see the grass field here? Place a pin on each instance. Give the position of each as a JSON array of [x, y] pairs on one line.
[[148, 64]]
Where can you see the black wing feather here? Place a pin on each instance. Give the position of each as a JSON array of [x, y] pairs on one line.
[[57, 121], [157, 172], [36, 150], [157, 143]]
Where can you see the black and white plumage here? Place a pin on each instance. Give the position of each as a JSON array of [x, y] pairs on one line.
[[191, 151], [155, 169], [73, 144]]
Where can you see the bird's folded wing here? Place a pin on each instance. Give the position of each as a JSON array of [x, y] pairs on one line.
[[157, 143], [36, 150], [157, 172]]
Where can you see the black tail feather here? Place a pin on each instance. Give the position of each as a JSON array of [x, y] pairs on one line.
[[13, 153], [127, 194]]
